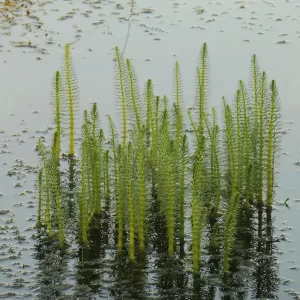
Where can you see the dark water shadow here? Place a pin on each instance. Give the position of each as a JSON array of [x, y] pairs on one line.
[[100, 272], [52, 266]]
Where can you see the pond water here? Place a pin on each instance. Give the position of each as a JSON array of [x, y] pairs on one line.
[[32, 36]]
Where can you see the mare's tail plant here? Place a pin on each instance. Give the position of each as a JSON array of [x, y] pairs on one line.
[[47, 186], [141, 182], [57, 95], [55, 180], [131, 210], [85, 193], [180, 149], [273, 140], [215, 164], [40, 198], [135, 108], [92, 161], [96, 155], [202, 86], [199, 210], [233, 203], [255, 123], [242, 96], [70, 96], [121, 82], [152, 120], [182, 184], [166, 176], [117, 176], [261, 178], [106, 175]]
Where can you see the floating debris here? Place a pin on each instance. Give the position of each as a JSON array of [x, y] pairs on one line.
[[8, 295], [66, 17], [147, 10], [6, 151], [295, 268], [282, 42], [199, 10], [23, 44], [18, 184], [119, 6]]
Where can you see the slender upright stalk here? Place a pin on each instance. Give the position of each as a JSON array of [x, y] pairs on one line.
[[261, 138], [55, 179], [170, 205], [130, 203], [121, 83], [142, 188], [58, 110], [247, 141], [107, 190], [47, 187], [40, 191], [271, 145], [71, 99]]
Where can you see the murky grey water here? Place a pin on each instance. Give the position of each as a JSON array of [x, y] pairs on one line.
[[159, 36]]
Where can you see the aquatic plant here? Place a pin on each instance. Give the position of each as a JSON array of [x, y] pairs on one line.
[[130, 200], [70, 96], [202, 86], [40, 198], [47, 186], [106, 175], [152, 164], [215, 164], [120, 87], [199, 210], [84, 196], [57, 97], [180, 148], [140, 182], [273, 140], [262, 137], [55, 180], [233, 203], [117, 184], [152, 120]]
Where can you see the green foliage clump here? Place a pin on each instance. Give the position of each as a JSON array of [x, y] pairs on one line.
[[152, 163]]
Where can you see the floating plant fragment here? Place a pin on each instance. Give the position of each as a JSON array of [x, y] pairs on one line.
[[198, 10], [119, 6], [294, 268], [23, 44], [147, 10], [283, 42]]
